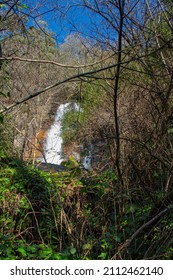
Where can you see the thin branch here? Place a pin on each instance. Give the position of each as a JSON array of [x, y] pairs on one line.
[[157, 37], [10, 8], [138, 231], [72, 78], [77, 76], [34, 213], [53, 62], [116, 88], [159, 215]]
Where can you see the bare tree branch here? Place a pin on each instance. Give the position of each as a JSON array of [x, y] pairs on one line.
[[79, 75], [119, 60], [52, 62]]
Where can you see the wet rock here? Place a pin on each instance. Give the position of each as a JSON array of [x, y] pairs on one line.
[[50, 167]]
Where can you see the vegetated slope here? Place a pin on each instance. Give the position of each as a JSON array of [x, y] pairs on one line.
[[69, 215]]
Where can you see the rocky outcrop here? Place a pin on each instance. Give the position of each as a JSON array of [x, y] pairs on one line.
[[50, 167]]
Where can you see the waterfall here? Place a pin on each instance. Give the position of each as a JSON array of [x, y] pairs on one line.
[[53, 142], [87, 162]]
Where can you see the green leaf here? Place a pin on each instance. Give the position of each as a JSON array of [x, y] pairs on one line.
[[22, 251], [73, 250], [118, 239], [87, 246], [19, 7], [25, 6], [57, 257], [5, 78], [103, 256]]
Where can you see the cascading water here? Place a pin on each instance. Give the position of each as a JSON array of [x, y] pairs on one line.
[[87, 161], [54, 141]]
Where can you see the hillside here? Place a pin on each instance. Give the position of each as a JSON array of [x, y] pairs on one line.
[[115, 75]]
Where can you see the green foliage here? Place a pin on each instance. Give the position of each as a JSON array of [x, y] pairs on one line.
[[91, 97], [71, 123], [32, 203], [60, 216], [72, 166], [11, 249]]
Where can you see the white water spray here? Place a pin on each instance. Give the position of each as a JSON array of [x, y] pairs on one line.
[[54, 141]]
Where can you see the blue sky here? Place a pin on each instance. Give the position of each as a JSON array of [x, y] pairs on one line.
[[66, 17], [63, 22]]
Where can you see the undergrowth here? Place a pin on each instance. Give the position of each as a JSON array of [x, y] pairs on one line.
[[46, 215]]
